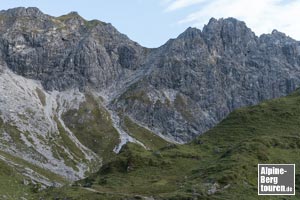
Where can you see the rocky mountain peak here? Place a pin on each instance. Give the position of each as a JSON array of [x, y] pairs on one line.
[[279, 39], [190, 33], [207, 74], [277, 35], [23, 12], [219, 24], [73, 91], [67, 51], [179, 90], [73, 19], [230, 35], [74, 13]]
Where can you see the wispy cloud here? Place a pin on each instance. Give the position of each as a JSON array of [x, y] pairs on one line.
[[262, 16], [179, 4]]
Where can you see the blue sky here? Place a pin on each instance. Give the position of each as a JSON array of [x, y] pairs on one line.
[[152, 22]]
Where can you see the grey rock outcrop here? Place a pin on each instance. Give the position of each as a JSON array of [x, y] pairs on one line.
[[67, 51], [179, 90], [201, 76]]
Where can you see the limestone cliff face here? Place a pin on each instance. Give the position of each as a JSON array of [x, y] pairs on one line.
[[66, 52], [201, 76], [178, 90]]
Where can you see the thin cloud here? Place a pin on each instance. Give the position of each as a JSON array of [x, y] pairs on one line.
[[262, 16], [179, 4]]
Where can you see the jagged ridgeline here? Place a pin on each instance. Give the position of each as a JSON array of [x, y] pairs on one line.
[[73, 92]]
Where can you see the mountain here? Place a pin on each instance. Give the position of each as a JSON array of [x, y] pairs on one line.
[[179, 90], [66, 52], [74, 92], [221, 164], [201, 76]]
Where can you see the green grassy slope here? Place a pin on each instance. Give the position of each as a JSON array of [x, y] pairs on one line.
[[149, 139], [221, 164], [93, 127], [14, 185], [11, 186]]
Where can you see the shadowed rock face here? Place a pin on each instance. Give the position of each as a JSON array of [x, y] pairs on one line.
[[179, 90]]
